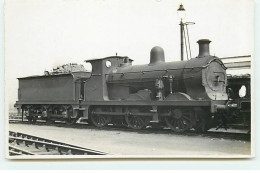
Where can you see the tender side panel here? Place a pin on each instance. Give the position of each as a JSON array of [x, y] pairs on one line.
[[53, 88]]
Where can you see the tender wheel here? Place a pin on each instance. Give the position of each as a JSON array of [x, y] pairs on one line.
[[136, 121], [70, 120], [31, 118], [49, 121], [99, 120], [179, 119]]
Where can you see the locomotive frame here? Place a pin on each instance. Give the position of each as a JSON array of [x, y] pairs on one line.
[[134, 96]]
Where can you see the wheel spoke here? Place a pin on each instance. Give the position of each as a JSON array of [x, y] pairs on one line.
[[172, 120], [186, 118], [102, 121], [179, 124], [136, 122], [69, 120], [180, 127], [141, 121], [175, 124], [182, 124], [178, 120], [99, 120]]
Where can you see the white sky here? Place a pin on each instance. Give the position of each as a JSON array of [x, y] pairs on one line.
[[41, 34]]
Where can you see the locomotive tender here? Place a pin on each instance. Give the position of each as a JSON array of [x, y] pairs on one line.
[[182, 94]]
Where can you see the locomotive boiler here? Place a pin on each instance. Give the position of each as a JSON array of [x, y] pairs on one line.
[[201, 78], [181, 95]]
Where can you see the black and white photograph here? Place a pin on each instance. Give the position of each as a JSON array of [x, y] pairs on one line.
[[129, 79]]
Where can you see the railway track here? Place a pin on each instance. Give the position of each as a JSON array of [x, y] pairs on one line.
[[24, 144], [210, 134]]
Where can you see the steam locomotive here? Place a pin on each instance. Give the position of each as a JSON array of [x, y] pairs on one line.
[[182, 95]]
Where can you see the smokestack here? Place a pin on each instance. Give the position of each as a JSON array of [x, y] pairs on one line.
[[203, 48]]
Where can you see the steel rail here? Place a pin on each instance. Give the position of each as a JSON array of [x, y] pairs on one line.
[[17, 134], [47, 145], [17, 151]]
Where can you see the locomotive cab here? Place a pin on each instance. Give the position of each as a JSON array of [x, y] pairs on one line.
[[96, 87]]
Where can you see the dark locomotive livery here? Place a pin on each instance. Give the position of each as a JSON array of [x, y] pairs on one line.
[[182, 95]]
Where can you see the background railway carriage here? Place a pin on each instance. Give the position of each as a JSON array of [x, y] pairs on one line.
[[239, 89], [51, 97]]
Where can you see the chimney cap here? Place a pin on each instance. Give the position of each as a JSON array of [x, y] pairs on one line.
[[203, 48], [203, 41]]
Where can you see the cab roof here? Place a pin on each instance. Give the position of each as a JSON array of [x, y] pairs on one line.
[[109, 57]]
